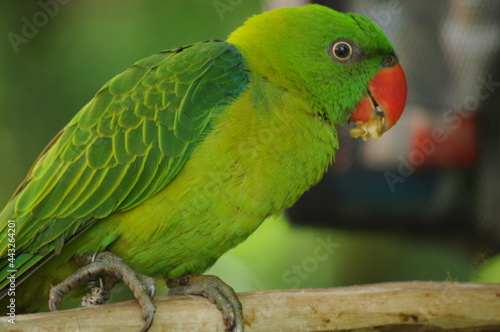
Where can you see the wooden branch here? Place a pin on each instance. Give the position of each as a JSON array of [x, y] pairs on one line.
[[402, 306]]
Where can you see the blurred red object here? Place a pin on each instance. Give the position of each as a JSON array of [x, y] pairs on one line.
[[448, 147]]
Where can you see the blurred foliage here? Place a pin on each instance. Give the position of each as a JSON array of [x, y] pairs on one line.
[[88, 42], [281, 256], [489, 271]]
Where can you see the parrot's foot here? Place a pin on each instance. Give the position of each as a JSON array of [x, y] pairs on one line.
[[107, 268], [217, 291]]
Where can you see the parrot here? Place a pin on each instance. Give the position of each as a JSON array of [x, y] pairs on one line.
[[184, 154]]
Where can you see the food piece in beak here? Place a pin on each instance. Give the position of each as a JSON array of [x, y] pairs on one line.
[[374, 126]]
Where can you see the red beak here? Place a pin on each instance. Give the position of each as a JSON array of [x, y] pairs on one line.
[[383, 104]]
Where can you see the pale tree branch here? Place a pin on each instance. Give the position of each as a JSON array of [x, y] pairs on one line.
[[401, 306]]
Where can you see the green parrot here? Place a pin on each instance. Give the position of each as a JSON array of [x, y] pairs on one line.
[[184, 154]]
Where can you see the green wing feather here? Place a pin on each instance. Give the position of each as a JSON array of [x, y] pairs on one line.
[[123, 147]]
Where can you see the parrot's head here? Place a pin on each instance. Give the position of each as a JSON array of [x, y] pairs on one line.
[[342, 65]]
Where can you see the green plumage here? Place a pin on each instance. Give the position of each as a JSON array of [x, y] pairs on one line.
[[184, 154]]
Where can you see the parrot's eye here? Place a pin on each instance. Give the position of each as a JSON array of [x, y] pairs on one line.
[[342, 50]]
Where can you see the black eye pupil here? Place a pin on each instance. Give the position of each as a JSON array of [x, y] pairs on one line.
[[342, 50]]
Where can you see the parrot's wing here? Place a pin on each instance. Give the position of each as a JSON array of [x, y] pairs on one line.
[[123, 147]]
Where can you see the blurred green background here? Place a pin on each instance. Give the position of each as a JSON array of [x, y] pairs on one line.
[[47, 78]]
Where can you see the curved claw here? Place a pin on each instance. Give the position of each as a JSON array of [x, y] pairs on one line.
[[148, 283], [152, 292], [52, 303], [217, 292], [56, 297], [230, 322], [149, 322]]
